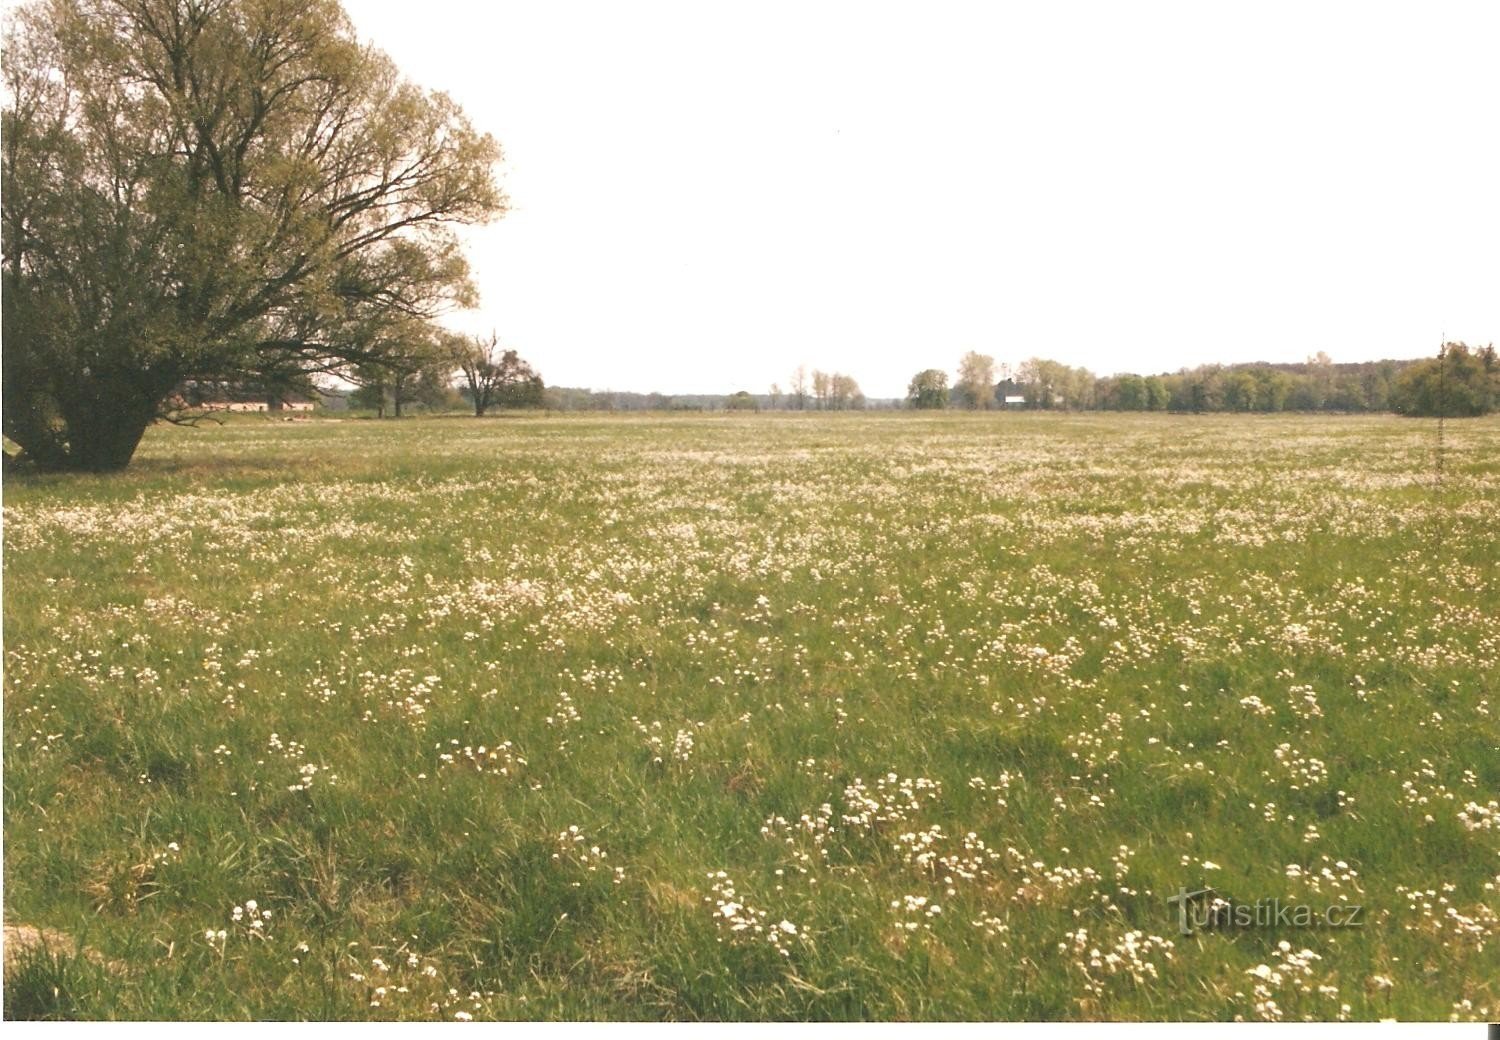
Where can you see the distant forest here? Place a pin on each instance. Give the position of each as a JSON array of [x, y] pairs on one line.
[[1463, 381]]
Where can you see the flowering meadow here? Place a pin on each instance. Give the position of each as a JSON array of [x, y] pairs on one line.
[[885, 716]]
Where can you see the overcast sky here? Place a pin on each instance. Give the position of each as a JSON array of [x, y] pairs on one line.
[[704, 195]]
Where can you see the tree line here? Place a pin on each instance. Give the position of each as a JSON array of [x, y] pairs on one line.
[[807, 390], [821, 391], [1461, 381], [446, 370]]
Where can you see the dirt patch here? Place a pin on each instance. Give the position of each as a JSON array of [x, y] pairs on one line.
[[21, 939]]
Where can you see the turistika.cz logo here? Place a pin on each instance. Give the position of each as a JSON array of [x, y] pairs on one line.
[[1201, 908]]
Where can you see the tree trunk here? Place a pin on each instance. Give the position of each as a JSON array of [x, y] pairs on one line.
[[109, 444], [94, 427], [105, 422]]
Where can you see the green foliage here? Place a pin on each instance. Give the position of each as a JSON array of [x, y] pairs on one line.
[[49, 982], [234, 191], [1129, 394], [372, 395], [1317, 385], [492, 377], [1459, 383], [928, 389]]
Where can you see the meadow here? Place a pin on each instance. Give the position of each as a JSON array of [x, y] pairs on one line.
[[886, 716]]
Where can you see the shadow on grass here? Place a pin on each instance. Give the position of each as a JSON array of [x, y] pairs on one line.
[[46, 983]]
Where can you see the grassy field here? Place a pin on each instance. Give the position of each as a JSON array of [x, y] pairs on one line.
[[778, 717]]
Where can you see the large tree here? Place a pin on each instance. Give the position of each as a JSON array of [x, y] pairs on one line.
[[213, 190]]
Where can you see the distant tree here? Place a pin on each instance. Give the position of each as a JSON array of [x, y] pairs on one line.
[[371, 393], [844, 392], [493, 377], [396, 378], [1459, 382], [1239, 391], [1378, 378], [1320, 375], [1198, 390], [820, 387], [1079, 387], [1046, 384], [1129, 393], [775, 395], [741, 401], [928, 389], [976, 381], [567, 399], [433, 390], [422, 378], [799, 388], [1158, 397], [1271, 389], [1347, 393]]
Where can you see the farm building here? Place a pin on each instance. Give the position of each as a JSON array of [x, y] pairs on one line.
[[220, 397], [262, 404]]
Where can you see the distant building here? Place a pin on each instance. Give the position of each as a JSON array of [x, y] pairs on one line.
[[220, 397], [235, 406], [1010, 394], [263, 404]]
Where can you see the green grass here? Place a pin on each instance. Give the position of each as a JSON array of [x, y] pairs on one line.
[[1125, 654]]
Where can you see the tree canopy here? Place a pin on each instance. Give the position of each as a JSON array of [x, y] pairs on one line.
[[214, 190], [493, 377], [976, 381], [928, 389], [1458, 383]]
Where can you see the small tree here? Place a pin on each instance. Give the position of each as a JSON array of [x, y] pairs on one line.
[[741, 401], [928, 389], [844, 392], [798, 395], [820, 387], [976, 381]]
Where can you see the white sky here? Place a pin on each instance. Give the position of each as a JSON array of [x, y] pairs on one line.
[[706, 194]]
